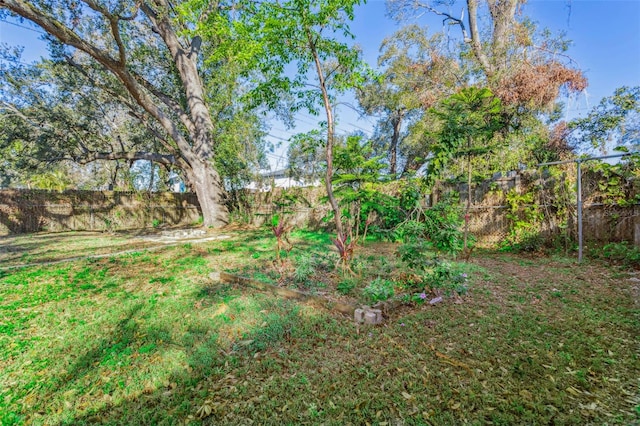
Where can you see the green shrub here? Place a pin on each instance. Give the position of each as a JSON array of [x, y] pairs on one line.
[[440, 229], [379, 290], [526, 218], [622, 252], [417, 255], [346, 286]]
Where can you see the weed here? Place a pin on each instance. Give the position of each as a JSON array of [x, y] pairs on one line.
[[346, 286], [305, 268], [379, 290]]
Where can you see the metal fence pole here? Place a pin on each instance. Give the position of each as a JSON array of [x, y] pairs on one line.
[[579, 206], [578, 161]]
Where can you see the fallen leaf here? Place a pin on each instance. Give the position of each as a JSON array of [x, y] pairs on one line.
[[573, 391]]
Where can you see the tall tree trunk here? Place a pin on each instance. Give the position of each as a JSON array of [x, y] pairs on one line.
[[476, 42], [503, 14], [393, 149], [468, 208], [330, 139]]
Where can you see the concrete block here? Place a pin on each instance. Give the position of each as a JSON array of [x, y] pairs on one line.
[[378, 313], [358, 316], [373, 316]]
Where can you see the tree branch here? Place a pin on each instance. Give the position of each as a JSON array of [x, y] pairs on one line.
[[130, 156], [448, 17], [69, 37], [169, 102], [476, 43], [113, 24]]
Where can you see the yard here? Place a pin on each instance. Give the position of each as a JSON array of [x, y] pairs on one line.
[[146, 337]]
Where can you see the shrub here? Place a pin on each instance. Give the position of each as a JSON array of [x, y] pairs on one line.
[[440, 230], [622, 252], [379, 290], [525, 217], [346, 286]]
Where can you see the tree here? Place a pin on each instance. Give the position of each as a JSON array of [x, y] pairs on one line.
[[525, 69], [304, 33], [54, 120], [499, 48], [306, 156], [146, 58], [615, 121], [357, 172], [416, 73], [469, 119]]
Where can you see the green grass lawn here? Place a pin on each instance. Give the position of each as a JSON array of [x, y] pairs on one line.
[[147, 338]]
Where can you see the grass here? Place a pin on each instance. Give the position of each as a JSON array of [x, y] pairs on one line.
[[146, 338], [38, 248]]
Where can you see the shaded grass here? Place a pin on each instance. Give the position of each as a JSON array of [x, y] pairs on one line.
[[38, 248], [145, 338]]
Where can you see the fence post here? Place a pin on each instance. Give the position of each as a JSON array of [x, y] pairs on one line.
[[636, 225], [579, 207]]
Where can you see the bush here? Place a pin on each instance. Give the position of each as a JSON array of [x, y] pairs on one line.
[[379, 290], [448, 277], [346, 286], [305, 268], [441, 228], [622, 252]]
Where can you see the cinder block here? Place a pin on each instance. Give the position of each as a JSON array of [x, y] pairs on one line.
[[372, 318], [358, 316], [378, 313]]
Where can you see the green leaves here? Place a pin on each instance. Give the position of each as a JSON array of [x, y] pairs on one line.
[[274, 43], [468, 121], [616, 120]]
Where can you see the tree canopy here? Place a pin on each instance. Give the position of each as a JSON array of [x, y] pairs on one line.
[[145, 60], [614, 122], [188, 85]]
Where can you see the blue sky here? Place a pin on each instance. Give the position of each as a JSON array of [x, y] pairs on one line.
[[605, 38]]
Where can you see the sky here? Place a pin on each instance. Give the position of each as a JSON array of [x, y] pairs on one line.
[[605, 38]]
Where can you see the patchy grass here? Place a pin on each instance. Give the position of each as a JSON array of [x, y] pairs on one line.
[[146, 338], [47, 247]]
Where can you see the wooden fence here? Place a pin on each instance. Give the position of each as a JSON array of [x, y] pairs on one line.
[[26, 211], [33, 210]]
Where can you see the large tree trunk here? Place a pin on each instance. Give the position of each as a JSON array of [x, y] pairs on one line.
[[209, 190]]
